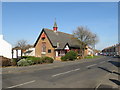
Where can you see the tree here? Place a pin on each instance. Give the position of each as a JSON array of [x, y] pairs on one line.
[[22, 44], [84, 35]]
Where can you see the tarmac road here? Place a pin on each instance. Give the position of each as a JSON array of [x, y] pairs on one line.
[[93, 74]]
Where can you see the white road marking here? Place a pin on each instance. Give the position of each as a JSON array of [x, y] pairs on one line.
[[91, 65], [65, 72], [102, 62], [21, 84], [109, 60]]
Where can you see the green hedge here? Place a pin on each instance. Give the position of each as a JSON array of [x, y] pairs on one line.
[[30, 60], [24, 57], [70, 56], [63, 58], [36, 60], [24, 62], [47, 59]]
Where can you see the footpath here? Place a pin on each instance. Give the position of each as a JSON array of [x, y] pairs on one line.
[[112, 80]]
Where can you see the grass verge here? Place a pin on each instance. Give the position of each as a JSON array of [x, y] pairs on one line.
[[91, 57]]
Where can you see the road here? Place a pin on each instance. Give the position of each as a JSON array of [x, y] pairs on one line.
[[79, 75]]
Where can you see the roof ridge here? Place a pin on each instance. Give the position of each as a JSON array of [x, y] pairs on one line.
[[58, 31]]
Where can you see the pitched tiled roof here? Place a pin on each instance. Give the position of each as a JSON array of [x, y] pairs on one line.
[[61, 38]]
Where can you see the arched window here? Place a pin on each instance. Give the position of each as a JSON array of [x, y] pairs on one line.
[[43, 46]]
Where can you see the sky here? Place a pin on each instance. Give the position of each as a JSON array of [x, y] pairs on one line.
[[25, 20]]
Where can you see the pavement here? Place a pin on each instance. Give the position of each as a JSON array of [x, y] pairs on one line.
[[89, 73]]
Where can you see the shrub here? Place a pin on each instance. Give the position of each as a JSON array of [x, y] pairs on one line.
[[14, 61], [63, 58], [30, 62], [71, 55], [47, 59], [36, 60], [5, 61], [25, 57], [24, 62]]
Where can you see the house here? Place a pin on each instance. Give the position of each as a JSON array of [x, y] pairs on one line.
[[117, 49], [112, 50], [16, 52], [29, 52], [54, 43], [89, 51], [5, 48]]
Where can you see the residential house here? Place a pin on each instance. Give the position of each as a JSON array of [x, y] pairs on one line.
[[89, 51], [16, 52], [5, 48], [29, 52], [117, 49], [112, 50]]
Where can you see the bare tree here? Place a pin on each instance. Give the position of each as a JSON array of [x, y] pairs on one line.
[[22, 44], [84, 35]]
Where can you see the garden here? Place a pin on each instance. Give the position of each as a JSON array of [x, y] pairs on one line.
[[31, 60], [26, 61], [71, 56]]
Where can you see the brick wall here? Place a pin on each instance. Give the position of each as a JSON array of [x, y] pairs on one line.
[[38, 48]]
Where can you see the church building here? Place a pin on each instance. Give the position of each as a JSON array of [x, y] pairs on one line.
[[54, 43]]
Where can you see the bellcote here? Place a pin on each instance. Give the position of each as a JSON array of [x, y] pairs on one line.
[[55, 26]]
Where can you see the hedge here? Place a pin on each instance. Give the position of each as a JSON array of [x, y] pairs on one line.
[[30, 60], [5, 61], [47, 59], [70, 56], [24, 62]]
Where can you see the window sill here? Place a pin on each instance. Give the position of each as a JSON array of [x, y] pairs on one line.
[[43, 52]]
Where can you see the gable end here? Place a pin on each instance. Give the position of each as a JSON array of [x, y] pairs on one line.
[[46, 36]]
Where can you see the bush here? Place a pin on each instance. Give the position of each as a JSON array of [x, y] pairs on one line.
[[14, 61], [71, 55], [47, 59], [36, 60], [24, 62], [25, 57], [30, 60], [63, 58], [5, 61]]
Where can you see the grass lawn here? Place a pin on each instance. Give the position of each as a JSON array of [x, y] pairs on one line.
[[90, 57]]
